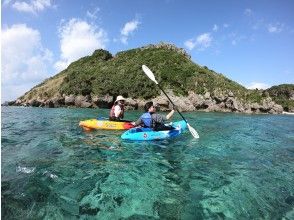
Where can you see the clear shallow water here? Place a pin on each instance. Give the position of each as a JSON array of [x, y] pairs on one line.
[[242, 167]]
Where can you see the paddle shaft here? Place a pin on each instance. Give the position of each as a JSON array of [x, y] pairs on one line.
[[172, 102]]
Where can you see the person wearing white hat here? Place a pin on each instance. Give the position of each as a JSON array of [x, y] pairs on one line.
[[118, 109]]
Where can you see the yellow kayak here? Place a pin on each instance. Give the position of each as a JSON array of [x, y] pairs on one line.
[[104, 124]]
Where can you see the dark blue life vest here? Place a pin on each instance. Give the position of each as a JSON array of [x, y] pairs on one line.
[[147, 119]]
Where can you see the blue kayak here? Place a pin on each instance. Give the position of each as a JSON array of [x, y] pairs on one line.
[[148, 134]]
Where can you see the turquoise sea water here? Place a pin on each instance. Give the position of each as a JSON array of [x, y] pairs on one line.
[[242, 167]]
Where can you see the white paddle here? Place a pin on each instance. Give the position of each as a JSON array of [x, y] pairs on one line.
[[151, 76]]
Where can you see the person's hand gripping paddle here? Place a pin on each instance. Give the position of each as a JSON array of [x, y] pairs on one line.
[[151, 76]]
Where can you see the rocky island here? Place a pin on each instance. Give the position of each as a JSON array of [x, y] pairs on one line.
[[95, 81]]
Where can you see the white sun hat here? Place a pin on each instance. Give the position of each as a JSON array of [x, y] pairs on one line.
[[120, 98]]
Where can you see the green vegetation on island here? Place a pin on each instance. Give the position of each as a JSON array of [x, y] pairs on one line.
[[104, 74], [283, 95]]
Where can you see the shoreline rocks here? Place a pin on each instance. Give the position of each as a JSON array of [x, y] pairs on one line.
[[209, 102]]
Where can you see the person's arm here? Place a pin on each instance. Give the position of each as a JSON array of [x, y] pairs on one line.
[[169, 115], [138, 122]]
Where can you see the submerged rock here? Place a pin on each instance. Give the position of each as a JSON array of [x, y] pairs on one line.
[[88, 210], [290, 200]]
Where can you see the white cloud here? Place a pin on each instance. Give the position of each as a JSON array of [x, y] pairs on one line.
[[128, 29], [257, 85], [190, 44], [235, 38], [23, 7], [93, 14], [24, 60], [201, 42], [204, 40], [124, 39], [226, 25], [33, 6], [260, 23], [257, 24], [6, 2], [78, 39], [248, 12], [215, 28], [275, 28]]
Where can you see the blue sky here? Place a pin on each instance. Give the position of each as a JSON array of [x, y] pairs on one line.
[[249, 41]]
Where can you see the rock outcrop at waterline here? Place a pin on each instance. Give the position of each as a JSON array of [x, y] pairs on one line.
[[193, 102]]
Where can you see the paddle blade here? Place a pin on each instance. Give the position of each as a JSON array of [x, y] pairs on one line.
[[149, 73], [193, 131]]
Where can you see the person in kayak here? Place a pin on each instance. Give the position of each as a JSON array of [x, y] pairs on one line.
[[117, 111], [151, 119]]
